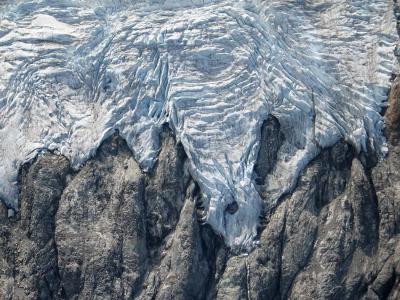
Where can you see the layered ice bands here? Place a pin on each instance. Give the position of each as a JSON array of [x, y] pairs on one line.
[[72, 72]]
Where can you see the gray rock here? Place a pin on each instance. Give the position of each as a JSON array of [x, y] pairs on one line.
[[270, 141], [31, 251], [110, 231], [6, 256], [392, 115], [100, 229], [165, 190], [185, 267], [234, 282], [333, 237], [3, 212]]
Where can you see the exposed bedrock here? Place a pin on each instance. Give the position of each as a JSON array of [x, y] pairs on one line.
[[271, 140], [110, 231], [29, 264], [392, 115], [100, 226]]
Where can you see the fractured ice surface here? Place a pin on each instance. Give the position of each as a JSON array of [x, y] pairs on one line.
[[74, 71]]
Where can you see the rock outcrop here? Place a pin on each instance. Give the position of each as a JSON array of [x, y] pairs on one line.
[[392, 115], [110, 231]]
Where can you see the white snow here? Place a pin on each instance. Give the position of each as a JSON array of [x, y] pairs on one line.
[[41, 21], [74, 71]]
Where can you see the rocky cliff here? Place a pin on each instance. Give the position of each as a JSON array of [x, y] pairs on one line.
[[110, 231]]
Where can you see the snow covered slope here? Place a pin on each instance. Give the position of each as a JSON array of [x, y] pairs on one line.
[[72, 72]]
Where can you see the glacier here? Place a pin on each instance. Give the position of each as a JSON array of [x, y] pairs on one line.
[[73, 72]]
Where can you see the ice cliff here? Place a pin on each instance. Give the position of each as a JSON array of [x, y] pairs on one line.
[[73, 72]]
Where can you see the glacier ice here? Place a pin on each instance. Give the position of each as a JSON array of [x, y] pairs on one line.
[[72, 72]]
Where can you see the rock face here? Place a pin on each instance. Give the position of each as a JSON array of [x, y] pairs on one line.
[[392, 116], [29, 265], [110, 231], [100, 229]]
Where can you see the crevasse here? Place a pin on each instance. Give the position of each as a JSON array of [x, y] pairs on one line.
[[73, 71]]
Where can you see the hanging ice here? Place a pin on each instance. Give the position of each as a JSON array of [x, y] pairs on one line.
[[72, 72]]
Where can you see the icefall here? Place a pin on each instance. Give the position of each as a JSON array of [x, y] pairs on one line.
[[72, 72]]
